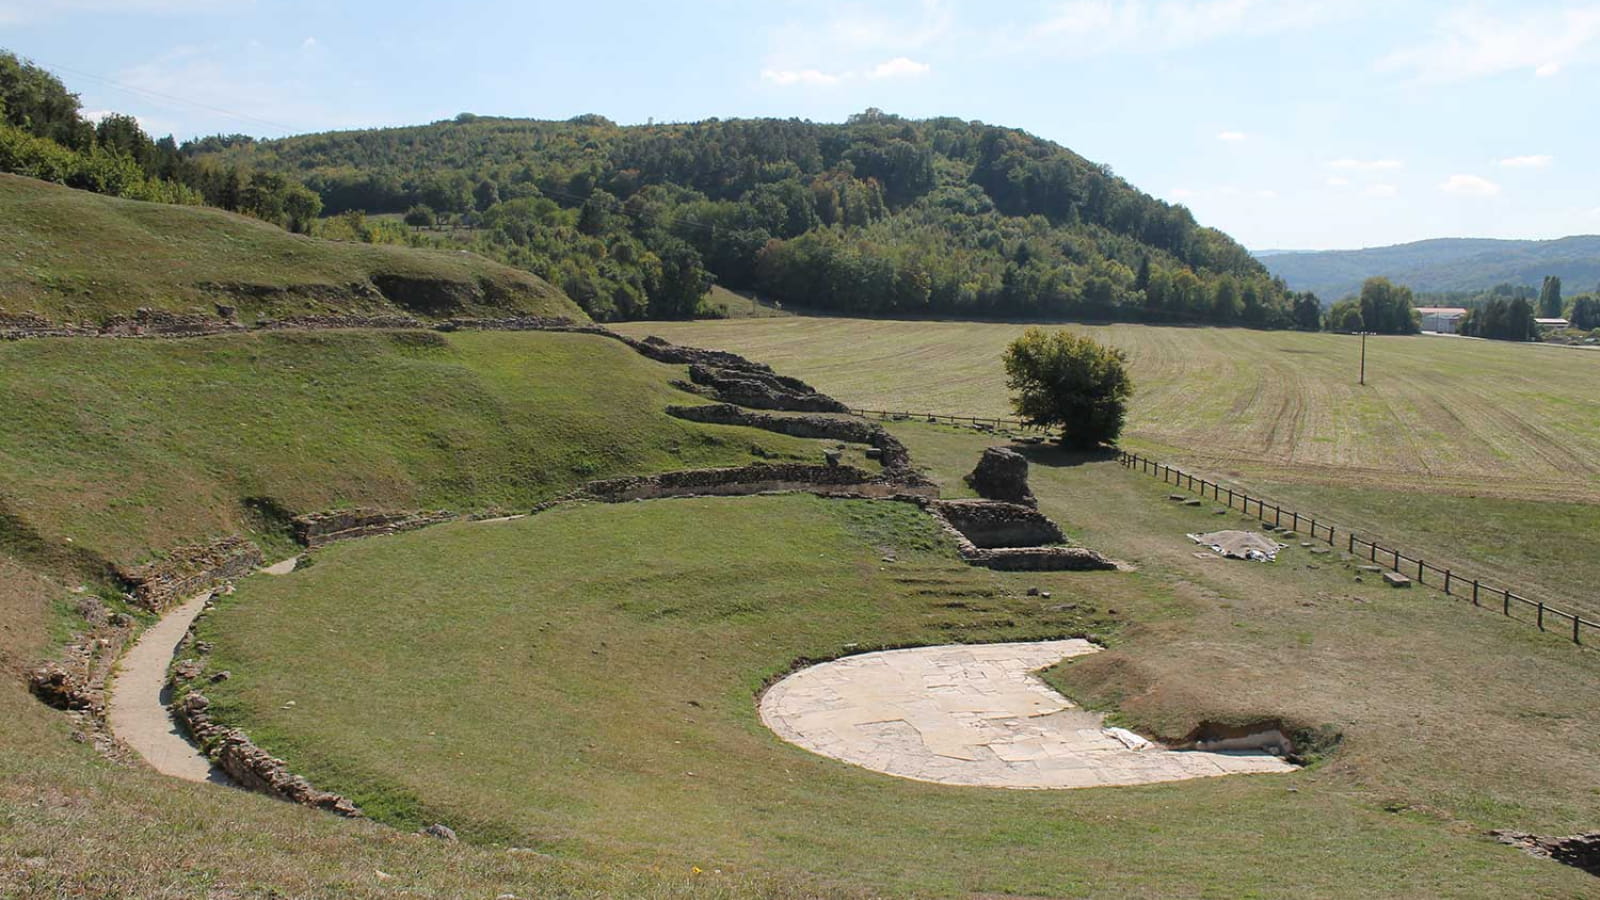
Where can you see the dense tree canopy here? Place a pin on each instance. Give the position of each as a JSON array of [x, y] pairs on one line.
[[1387, 308], [876, 215], [1502, 319], [1061, 379]]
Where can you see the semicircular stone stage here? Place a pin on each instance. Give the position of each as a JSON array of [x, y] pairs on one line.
[[976, 715]]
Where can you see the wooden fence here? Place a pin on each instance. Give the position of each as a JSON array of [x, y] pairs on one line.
[[1510, 603], [940, 418]]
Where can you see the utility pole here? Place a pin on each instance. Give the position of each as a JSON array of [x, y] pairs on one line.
[[1364, 356]]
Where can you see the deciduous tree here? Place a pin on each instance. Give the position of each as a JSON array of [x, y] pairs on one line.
[[1061, 379]]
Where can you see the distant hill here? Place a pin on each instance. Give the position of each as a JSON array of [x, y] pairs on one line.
[[877, 215], [76, 256], [1446, 264]]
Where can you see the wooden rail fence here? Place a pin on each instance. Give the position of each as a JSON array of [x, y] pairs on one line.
[[1510, 603], [941, 418]]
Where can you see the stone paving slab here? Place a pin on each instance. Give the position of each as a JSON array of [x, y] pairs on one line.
[[974, 715]]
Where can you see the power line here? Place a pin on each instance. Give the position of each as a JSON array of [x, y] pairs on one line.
[[157, 95]]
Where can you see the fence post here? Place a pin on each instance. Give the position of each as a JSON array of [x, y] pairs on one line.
[[1541, 615], [1277, 516], [1419, 574], [1352, 549], [1397, 560], [1507, 608], [1230, 498], [1447, 583], [1575, 621], [1296, 522], [1474, 592]]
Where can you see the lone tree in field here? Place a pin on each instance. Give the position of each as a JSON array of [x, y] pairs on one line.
[[1062, 379]]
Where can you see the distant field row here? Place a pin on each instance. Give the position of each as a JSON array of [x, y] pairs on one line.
[[1454, 415]]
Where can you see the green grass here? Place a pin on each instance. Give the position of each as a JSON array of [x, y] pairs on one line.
[[1440, 414], [121, 448], [80, 257], [526, 698], [726, 304]]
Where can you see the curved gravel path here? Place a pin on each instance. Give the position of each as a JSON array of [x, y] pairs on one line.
[[975, 715], [136, 707]]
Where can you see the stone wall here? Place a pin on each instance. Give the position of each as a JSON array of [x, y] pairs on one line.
[[230, 749], [187, 571], [990, 523], [1013, 559], [755, 479], [763, 390], [895, 457], [320, 529]]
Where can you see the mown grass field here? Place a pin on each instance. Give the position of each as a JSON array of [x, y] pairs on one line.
[[529, 699], [1480, 455], [75, 256], [122, 448], [1439, 414]]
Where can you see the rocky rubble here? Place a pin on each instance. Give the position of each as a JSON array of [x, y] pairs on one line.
[[320, 529], [894, 456], [1578, 850], [189, 570], [1002, 474]]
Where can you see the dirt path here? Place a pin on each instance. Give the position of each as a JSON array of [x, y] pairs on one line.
[[138, 695], [137, 710]]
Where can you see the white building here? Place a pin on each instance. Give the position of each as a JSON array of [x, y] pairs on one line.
[[1442, 319]]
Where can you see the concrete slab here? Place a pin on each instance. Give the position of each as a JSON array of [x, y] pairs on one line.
[[975, 715]]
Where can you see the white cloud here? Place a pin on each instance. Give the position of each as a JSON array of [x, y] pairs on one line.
[[1180, 194], [1337, 182], [1471, 43], [1381, 190], [1267, 194], [1469, 185], [899, 67], [1538, 161], [1232, 137], [309, 43], [1367, 165], [809, 77]]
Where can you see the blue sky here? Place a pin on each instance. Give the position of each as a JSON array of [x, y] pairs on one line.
[[1287, 123]]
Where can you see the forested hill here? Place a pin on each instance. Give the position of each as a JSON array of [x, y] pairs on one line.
[[879, 215], [1442, 266]]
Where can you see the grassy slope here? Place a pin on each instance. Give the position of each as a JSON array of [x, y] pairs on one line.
[[76, 256], [570, 717], [129, 446]]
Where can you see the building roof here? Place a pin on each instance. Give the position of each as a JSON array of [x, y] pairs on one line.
[[1562, 323], [1441, 310]]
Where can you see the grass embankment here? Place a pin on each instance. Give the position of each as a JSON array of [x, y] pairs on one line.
[[583, 682], [74, 256], [121, 448]]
